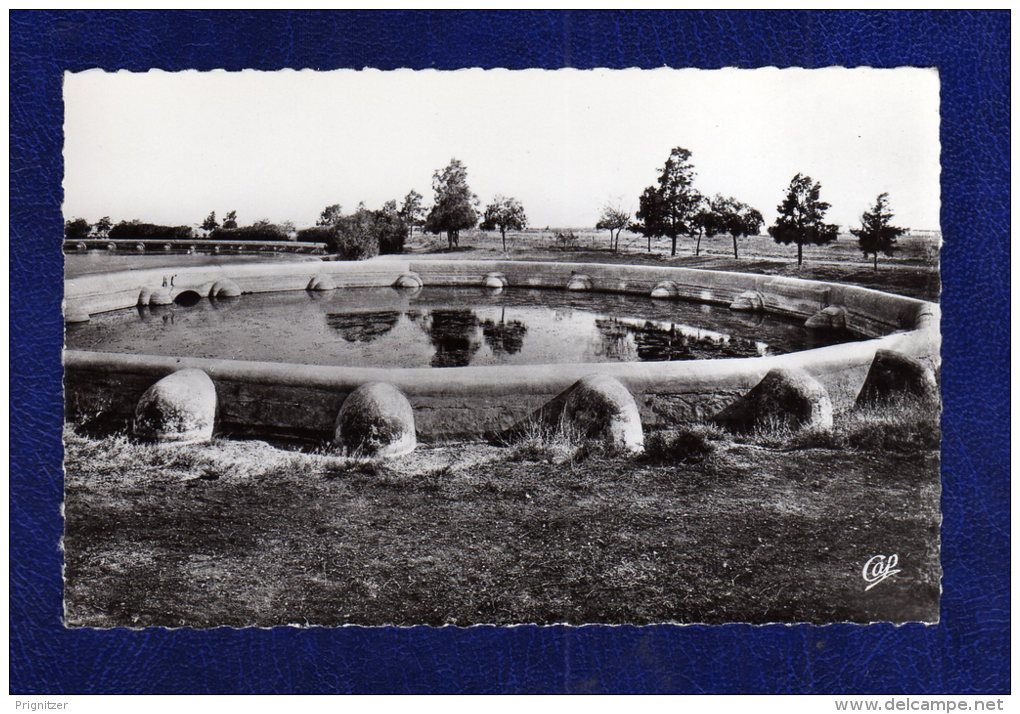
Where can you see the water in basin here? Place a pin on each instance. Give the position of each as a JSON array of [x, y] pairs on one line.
[[444, 327]]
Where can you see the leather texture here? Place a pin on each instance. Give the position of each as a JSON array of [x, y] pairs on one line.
[[967, 652]]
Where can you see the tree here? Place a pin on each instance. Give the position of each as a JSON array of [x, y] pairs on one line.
[[455, 204], [390, 228], [647, 215], [613, 219], [103, 226], [412, 212], [668, 209], [330, 215], [801, 217], [504, 213], [267, 226], [876, 234], [725, 214], [705, 221], [210, 223], [77, 228], [150, 231], [230, 220], [354, 237], [261, 230]]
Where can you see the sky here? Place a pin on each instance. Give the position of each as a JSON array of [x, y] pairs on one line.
[[171, 147]]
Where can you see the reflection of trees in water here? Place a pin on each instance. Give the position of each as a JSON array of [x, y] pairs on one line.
[[454, 334], [363, 326], [659, 343], [615, 337], [504, 337]]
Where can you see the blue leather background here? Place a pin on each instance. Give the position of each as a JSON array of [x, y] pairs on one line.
[[967, 652]]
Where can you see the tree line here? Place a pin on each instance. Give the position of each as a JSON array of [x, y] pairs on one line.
[[356, 235], [672, 208], [79, 228]]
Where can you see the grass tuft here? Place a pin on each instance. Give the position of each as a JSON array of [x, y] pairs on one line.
[[536, 441], [686, 445]]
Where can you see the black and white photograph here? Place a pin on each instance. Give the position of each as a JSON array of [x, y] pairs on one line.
[[501, 347]]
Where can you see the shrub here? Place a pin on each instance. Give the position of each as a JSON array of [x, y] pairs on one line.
[[316, 234], [355, 237], [137, 229], [359, 235], [391, 231], [77, 228], [260, 231]]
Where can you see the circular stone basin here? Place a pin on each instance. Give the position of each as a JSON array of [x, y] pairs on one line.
[[445, 327]]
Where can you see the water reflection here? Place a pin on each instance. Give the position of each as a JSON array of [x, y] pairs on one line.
[[443, 327], [454, 334], [224, 304], [363, 326], [666, 342], [212, 310], [504, 337], [615, 340]]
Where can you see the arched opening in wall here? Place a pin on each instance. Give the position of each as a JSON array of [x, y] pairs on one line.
[[187, 298]]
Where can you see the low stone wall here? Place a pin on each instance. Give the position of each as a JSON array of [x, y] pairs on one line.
[[303, 400], [142, 245], [114, 291]]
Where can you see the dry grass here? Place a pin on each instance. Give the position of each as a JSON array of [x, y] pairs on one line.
[[554, 444], [686, 445], [701, 529], [903, 424], [536, 441], [118, 457]]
